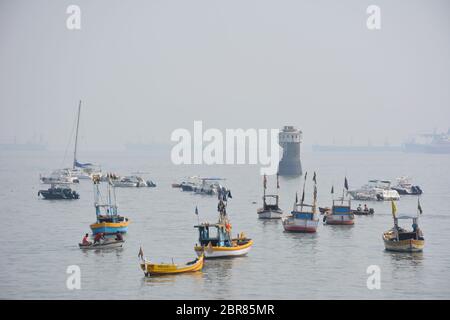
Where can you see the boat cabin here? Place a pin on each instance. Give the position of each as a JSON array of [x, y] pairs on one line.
[[216, 234], [268, 205], [341, 207], [403, 234]]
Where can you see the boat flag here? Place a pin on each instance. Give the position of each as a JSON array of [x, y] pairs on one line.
[[314, 177], [265, 181], [296, 197], [332, 189], [346, 184], [419, 207], [196, 210], [394, 208], [278, 182], [141, 253]]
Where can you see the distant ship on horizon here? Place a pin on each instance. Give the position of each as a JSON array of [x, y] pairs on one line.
[[355, 148], [429, 143], [32, 145]]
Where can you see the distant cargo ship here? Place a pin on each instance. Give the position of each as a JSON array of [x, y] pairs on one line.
[[429, 143], [22, 147], [350, 148]]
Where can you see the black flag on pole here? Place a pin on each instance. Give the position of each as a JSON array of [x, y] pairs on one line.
[[346, 184]]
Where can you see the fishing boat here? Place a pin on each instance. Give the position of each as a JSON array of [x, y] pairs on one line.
[[105, 244], [303, 217], [340, 212], [109, 221], [270, 210], [402, 240], [405, 187], [157, 269], [215, 239], [56, 192]]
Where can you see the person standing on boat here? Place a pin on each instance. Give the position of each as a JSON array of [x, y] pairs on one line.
[[365, 207]]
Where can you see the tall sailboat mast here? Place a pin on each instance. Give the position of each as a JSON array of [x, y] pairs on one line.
[[76, 137]]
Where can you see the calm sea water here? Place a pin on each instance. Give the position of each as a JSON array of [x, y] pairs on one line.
[[40, 238]]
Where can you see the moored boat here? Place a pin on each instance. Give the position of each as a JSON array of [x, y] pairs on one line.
[[157, 269], [303, 217], [270, 210], [375, 190], [109, 221], [220, 244], [405, 187], [402, 240], [59, 192], [340, 212]]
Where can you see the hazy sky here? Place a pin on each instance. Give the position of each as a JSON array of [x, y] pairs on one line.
[[145, 68]]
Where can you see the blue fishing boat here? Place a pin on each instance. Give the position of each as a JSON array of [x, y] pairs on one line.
[[108, 219]]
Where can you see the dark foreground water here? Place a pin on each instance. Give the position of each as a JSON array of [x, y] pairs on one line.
[[39, 238]]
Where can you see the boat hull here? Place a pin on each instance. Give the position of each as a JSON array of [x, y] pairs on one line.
[[105, 245], [300, 225], [109, 227], [340, 219], [151, 269], [224, 252], [269, 214], [410, 245], [407, 245]]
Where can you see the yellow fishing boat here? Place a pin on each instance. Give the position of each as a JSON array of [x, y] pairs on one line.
[[402, 240], [155, 269], [215, 240]]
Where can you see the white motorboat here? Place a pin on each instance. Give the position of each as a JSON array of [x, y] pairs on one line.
[[60, 176], [375, 190], [129, 182]]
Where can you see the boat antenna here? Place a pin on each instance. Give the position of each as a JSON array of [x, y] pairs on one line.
[[76, 137], [303, 192]]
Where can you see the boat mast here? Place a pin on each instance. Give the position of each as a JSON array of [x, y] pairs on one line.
[[76, 137]]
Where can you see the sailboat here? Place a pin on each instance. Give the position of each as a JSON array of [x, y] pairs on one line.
[[303, 217], [109, 221], [270, 210], [78, 170], [341, 212], [81, 170]]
